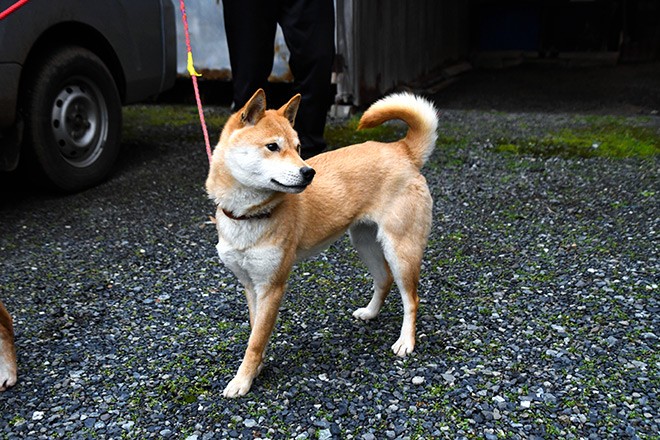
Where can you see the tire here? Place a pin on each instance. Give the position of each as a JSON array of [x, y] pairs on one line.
[[72, 114]]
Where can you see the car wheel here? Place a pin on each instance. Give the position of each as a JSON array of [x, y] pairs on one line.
[[72, 117]]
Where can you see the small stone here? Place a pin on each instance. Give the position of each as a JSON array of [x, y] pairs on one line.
[[37, 415], [249, 423], [325, 434], [549, 398], [449, 378], [639, 364], [559, 329], [418, 380], [321, 424]]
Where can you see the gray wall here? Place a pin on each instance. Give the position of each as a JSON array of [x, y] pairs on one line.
[[386, 43]]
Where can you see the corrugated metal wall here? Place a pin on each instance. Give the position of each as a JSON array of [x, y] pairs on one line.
[[386, 43]]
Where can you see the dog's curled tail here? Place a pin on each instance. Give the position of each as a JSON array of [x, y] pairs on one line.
[[420, 115]]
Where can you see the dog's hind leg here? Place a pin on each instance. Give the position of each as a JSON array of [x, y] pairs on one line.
[[363, 237], [406, 274], [405, 267], [403, 233]]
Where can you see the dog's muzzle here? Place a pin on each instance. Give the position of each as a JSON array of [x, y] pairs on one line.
[[297, 184]]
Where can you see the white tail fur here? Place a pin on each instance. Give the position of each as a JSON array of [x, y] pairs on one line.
[[420, 115]]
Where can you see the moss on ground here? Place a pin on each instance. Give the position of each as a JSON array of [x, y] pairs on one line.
[[592, 136], [152, 118], [169, 115], [601, 137]]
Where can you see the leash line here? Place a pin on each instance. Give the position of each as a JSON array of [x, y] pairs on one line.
[[12, 8], [193, 75]]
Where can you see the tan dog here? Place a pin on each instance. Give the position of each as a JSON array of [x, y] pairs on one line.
[[274, 209], [7, 350]]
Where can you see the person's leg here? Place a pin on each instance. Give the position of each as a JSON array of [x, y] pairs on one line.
[[309, 31], [250, 28]]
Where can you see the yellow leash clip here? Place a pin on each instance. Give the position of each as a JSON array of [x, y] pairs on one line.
[[191, 66]]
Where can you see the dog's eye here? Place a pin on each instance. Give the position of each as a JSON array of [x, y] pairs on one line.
[[273, 147]]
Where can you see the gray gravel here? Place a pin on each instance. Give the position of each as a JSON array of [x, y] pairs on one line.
[[539, 314]]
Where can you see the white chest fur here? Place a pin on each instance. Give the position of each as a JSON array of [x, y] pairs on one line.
[[241, 249]]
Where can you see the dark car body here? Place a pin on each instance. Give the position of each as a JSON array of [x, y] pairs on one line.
[[135, 42]]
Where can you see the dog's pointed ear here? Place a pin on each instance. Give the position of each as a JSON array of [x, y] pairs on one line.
[[290, 109], [254, 109]]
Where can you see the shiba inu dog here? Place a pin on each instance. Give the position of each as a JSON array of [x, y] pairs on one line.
[[7, 350], [274, 209]]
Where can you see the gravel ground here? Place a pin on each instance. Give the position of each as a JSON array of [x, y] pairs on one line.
[[539, 314]]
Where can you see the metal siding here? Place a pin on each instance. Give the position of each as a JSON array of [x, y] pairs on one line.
[[399, 41]]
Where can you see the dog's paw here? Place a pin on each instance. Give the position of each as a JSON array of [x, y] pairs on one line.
[[403, 347], [237, 387], [7, 374], [365, 313]]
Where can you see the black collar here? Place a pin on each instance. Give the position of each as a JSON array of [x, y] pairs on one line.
[[259, 216]]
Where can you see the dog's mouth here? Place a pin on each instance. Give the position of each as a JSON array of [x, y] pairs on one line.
[[291, 188]]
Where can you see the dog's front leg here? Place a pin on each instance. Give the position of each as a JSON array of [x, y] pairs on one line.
[[251, 297], [265, 314]]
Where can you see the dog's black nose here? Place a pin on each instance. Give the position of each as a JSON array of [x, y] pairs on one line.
[[307, 173]]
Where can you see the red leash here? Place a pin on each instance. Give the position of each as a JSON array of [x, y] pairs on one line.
[[194, 75], [12, 8]]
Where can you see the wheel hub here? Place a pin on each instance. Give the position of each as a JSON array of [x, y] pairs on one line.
[[79, 123]]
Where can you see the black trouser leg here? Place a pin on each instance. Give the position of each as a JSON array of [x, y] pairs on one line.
[[308, 27], [250, 28]]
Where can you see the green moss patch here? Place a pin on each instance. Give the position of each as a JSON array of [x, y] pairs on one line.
[[170, 115], [609, 137], [159, 120]]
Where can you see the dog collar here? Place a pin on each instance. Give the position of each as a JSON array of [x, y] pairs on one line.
[[246, 217]]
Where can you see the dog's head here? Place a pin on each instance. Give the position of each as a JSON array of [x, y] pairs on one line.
[[261, 150]]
